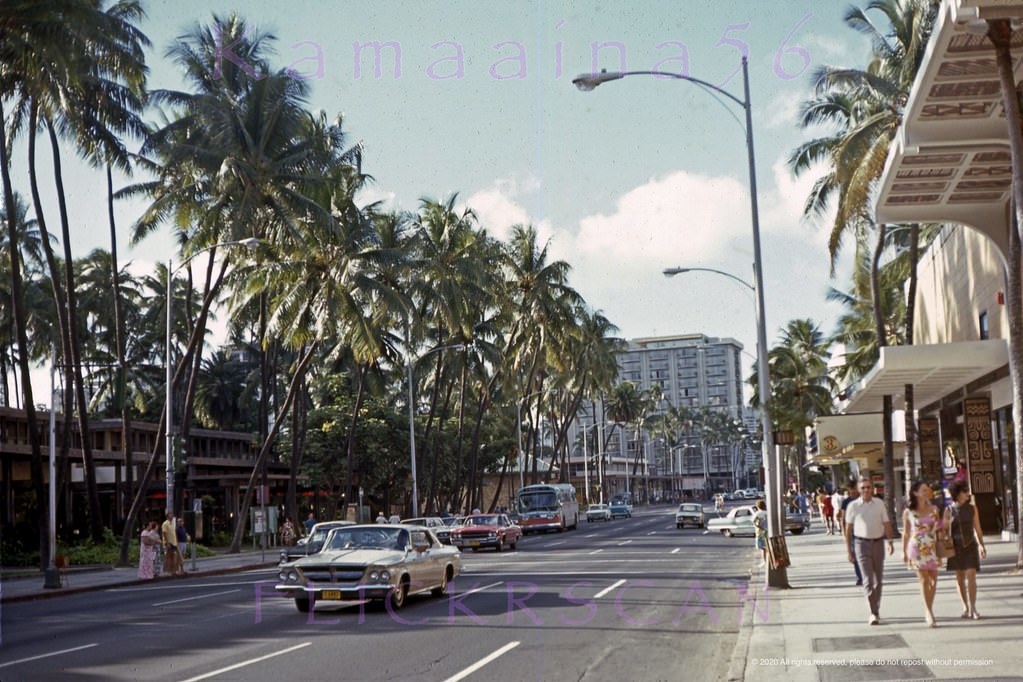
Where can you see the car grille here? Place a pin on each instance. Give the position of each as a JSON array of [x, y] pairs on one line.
[[475, 536], [333, 574]]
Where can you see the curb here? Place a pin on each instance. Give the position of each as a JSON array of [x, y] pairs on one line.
[[95, 588], [740, 654]]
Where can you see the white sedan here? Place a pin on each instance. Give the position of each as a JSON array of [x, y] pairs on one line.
[[598, 512]]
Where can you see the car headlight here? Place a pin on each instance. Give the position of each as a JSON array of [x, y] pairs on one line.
[[385, 576], [491, 535], [374, 576], [289, 575]]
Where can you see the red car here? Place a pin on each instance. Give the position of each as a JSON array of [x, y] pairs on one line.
[[486, 530]]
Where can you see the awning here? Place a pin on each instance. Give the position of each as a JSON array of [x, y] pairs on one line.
[[845, 437], [950, 160], [935, 371]]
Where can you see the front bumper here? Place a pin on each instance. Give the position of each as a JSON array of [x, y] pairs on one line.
[[474, 542], [679, 520], [335, 592]]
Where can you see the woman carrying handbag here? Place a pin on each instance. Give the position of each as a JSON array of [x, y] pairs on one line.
[[962, 523]]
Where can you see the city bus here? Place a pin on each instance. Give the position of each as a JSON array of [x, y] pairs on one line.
[[544, 507]]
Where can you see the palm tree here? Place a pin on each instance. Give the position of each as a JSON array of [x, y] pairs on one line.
[[865, 106]]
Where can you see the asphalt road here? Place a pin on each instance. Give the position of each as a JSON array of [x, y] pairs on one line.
[[633, 599]]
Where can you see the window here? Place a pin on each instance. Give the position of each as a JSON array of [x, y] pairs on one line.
[[984, 329]]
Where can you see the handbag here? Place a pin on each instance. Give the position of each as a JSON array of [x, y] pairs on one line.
[[946, 548]]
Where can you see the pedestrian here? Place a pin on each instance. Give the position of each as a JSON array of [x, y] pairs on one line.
[[828, 513], [183, 539], [394, 518], [840, 520], [148, 542], [381, 518], [309, 523], [867, 527], [920, 525], [963, 524], [289, 534], [760, 524], [169, 538]]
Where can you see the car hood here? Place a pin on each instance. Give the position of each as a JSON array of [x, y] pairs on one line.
[[365, 556], [477, 529]]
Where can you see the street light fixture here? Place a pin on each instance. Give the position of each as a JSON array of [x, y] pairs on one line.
[[410, 364], [671, 272], [252, 244], [776, 575]]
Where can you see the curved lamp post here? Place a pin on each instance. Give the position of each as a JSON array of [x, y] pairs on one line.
[[251, 243], [776, 576]]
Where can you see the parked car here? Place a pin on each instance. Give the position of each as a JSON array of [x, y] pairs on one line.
[[620, 508], [486, 530], [312, 543], [379, 561], [434, 523], [598, 512], [690, 513], [739, 521]]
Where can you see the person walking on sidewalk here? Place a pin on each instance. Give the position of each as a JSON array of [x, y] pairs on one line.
[[962, 523], [920, 525], [854, 494], [183, 539], [828, 513], [169, 537], [867, 527], [148, 542], [760, 524]]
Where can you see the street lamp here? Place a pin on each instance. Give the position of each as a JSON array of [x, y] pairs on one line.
[[410, 364], [671, 272], [776, 576], [251, 243]]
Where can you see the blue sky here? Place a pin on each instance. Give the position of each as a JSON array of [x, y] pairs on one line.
[[639, 175]]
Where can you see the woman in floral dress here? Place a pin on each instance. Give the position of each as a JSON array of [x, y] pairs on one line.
[[148, 542], [920, 525]]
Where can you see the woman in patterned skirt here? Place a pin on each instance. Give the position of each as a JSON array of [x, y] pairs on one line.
[[962, 523], [920, 525]]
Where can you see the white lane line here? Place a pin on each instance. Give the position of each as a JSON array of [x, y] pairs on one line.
[[482, 662], [676, 550], [55, 653], [480, 589], [624, 543], [653, 532], [596, 551], [200, 596], [615, 586], [251, 661], [592, 535], [559, 542]]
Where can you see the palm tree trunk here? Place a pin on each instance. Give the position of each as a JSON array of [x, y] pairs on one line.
[[349, 488], [910, 417], [257, 466], [886, 416], [20, 324], [122, 370], [459, 450], [1000, 34], [91, 487]]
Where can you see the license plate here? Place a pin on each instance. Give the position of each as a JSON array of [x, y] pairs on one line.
[[474, 543], [330, 594]]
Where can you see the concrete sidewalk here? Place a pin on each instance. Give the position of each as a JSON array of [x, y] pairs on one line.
[[818, 630], [26, 587]]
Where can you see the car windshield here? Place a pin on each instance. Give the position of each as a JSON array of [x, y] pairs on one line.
[[534, 502], [368, 538], [690, 508], [482, 520], [597, 507]]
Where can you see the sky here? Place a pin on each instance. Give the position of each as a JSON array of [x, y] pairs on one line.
[[641, 174]]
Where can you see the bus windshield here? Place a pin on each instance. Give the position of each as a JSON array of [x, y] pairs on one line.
[[538, 501]]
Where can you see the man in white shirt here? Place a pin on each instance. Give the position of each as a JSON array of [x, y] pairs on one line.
[[867, 527]]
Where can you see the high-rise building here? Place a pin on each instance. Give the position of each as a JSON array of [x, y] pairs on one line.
[[699, 374]]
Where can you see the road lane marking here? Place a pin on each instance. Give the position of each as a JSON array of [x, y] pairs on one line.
[[55, 653], [676, 550], [480, 589], [615, 586], [251, 661], [200, 596], [596, 551], [559, 542], [653, 532], [624, 543], [482, 662]]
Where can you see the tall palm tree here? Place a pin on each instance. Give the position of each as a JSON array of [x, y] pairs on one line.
[[865, 107]]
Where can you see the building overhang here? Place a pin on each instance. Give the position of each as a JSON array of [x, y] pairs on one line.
[[934, 371], [848, 437], [950, 160]]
